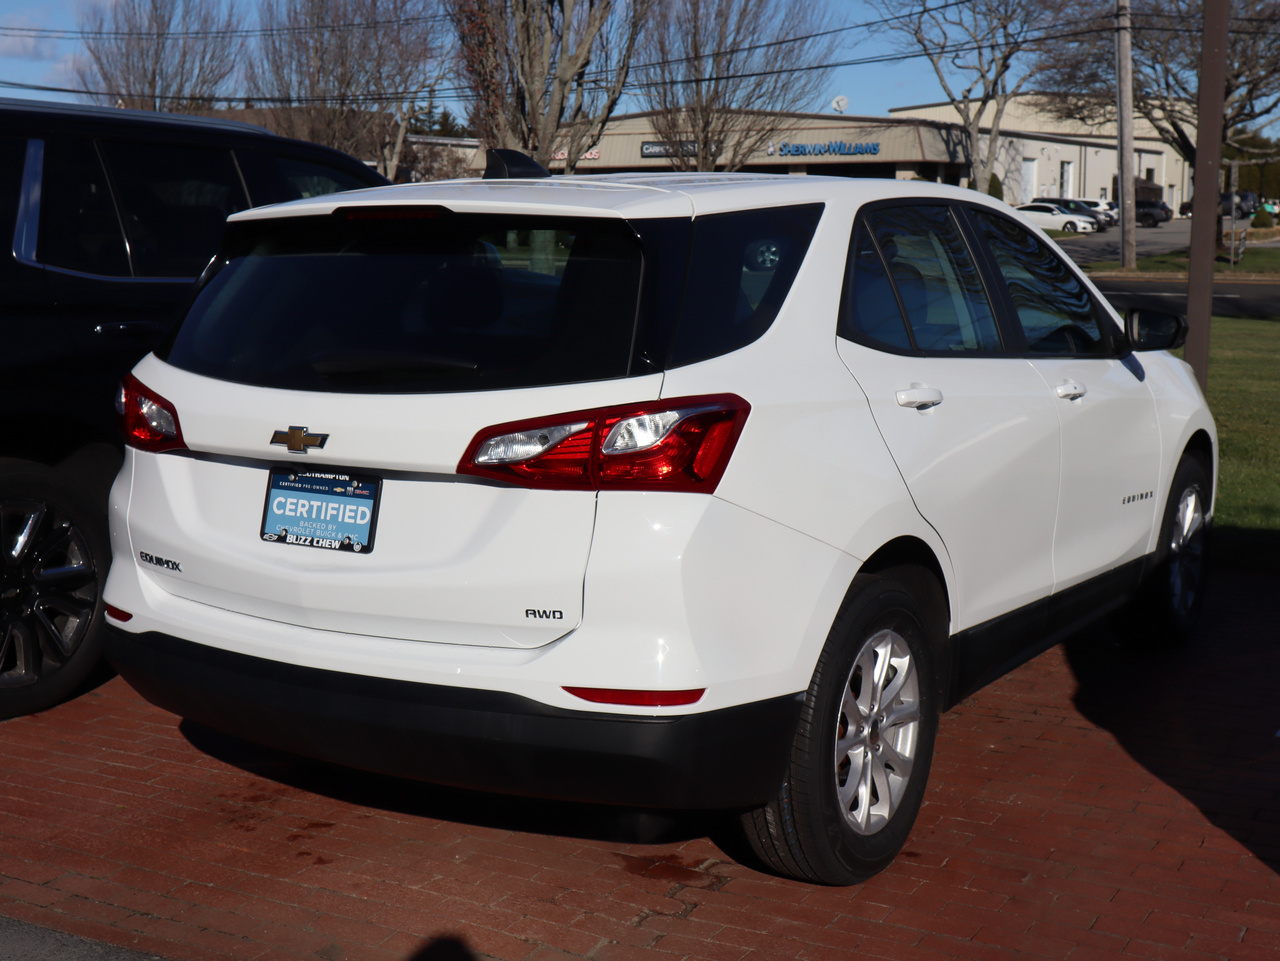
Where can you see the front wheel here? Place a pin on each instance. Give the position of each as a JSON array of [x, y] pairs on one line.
[[1167, 608], [1069, 227], [862, 751]]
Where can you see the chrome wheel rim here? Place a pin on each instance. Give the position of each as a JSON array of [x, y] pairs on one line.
[[1186, 552], [48, 591], [877, 732]]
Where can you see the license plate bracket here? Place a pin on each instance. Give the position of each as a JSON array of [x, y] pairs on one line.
[[327, 510]]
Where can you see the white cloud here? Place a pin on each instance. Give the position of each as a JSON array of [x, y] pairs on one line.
[[22, 47]]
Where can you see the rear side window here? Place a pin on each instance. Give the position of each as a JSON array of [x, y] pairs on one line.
[[422, 300], [303, 179], [741, 267], [79, 229], [174, 202], [1054, 308], [918, 252]]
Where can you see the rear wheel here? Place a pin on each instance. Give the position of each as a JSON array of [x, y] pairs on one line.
[[53, 564], [862, 751]]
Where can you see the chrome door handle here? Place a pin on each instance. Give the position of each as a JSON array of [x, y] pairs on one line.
[[920, 398], [1071, 391]]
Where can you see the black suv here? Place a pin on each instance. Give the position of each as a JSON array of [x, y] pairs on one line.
[[1152, 213], [110, 215]]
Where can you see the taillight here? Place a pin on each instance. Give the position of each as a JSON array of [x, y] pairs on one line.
[[147, 420], [671, 445]]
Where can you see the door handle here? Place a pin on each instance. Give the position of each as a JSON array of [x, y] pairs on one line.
[[1071, 391], [920, 398], [129, 329]]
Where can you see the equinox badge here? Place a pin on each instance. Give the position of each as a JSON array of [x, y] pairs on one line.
[[298, 440]]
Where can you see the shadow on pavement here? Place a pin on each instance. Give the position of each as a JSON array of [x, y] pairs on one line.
[[596, 822], [1205, 718]]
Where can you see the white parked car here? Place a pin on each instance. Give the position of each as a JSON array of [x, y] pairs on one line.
[[1048, 216], [560, 487], [1099, 207]]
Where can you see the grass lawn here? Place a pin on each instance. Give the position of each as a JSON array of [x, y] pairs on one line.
[[1244, 395], [1256, 260]]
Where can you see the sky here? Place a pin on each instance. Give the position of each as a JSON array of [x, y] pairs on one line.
[[871, 89]]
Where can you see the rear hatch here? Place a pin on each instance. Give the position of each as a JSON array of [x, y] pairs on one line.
[[326, 382]]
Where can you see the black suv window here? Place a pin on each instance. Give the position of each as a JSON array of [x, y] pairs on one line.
[[79, 229], [1054, 308], [174, 201], [303, 178], [416, 300], [912, 262]]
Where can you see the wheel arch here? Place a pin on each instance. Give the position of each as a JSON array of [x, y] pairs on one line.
[[1200, 446], [910, 553]]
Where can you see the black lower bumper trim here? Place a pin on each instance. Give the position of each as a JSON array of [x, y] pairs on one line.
[[484, 740]]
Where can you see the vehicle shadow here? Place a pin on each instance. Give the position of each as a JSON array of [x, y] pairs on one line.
[[1204, 718], [597, 822]]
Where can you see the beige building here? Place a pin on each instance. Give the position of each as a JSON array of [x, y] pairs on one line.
[[1039, 156], [1042, 156]]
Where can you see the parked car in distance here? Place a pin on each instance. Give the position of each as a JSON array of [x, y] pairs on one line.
[[112, 214], [1049, 216], [542, 486], [1152, 213], [1081, 208], [1243, 203]]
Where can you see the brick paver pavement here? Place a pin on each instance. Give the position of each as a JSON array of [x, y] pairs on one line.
[[1097, 803]]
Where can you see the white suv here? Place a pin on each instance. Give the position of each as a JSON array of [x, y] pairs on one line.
[[683, 491]]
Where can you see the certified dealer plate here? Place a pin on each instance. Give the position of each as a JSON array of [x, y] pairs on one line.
[[321, 509]]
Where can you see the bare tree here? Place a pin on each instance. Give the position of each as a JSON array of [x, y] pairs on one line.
[[979, 52], [158, 54], [351, 74], [1077, 74], [546, 74], [712, 75]]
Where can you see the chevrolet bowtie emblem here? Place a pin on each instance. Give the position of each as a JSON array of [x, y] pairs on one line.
[[298, 440]]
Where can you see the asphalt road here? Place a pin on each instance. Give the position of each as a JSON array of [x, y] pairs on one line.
[[20, 941], [1231, 297]]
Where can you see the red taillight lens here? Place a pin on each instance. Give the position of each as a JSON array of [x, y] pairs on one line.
[[147, 420], [609, 695], [673, 445], [116, 614]]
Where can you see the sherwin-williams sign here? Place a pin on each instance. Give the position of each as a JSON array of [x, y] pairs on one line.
[[833, 147]]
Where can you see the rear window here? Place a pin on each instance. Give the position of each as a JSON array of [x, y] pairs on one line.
[[455, 302], [413, 299]]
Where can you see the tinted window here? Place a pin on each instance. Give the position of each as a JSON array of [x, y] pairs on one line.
[[305, 179], [741, 267], [458, 302], [872, 312], [1053, 306], [13, 151], [79, 229], [174, 202], [936, 280]]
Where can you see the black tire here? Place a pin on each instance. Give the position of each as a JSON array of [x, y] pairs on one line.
[[830, 822], [1069, 227], [54, 555], [1166, 609], [1146, 220]]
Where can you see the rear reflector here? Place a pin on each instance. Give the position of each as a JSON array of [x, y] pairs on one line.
[[147, 420], [116, 614], [607, 695], [683, 444]]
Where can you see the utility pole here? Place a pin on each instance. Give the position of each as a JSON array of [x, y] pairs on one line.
[[1205, 202], [1124, 134]]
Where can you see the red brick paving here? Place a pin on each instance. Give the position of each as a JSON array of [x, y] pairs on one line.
[[1098, 803]]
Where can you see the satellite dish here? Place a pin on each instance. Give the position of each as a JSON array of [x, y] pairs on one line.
[[840, 104]]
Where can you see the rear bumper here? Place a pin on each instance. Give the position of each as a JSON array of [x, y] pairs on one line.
[[484, 740]]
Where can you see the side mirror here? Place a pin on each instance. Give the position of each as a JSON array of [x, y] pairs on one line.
[[1155, 329]]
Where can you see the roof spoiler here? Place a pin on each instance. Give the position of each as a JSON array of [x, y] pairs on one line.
[[508, 164]]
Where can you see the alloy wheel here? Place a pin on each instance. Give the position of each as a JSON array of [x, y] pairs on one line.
[[48, 590]]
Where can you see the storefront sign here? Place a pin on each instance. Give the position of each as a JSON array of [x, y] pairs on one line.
[[840, 148], [592, 154], [665, 148]]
